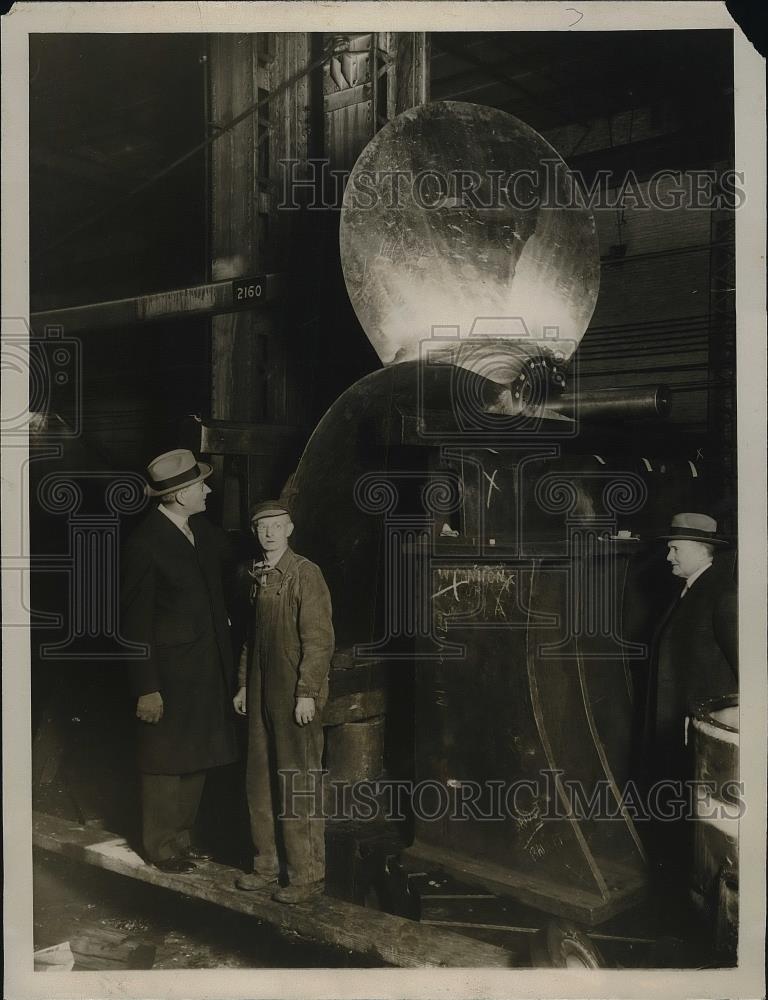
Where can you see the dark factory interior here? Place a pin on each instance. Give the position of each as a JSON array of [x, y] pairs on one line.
[[155, 225]]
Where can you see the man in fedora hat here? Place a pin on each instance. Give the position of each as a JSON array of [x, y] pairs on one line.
[[283, 688], [696, 647], [172, 600]]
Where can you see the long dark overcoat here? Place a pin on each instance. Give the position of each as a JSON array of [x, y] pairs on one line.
[[696, 658], [172, 600]]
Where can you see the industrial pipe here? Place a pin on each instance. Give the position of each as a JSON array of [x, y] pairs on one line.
[[617, 404]]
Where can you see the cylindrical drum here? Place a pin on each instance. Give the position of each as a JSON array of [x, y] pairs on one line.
[[354, 753], [355, 750], [718, 808]]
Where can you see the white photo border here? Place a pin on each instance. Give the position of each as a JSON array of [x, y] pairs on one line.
[[747, 980]]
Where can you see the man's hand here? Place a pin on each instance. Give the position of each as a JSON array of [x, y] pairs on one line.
[[239, 701], [305, 710], [149, 707]]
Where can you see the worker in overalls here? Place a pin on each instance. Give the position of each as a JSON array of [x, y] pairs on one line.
[[283, 687]]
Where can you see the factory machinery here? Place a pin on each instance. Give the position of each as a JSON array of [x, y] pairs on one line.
[[488, 530], [488, 533]]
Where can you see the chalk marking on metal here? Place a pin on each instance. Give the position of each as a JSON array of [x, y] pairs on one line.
[[492, 486], [452, 586]]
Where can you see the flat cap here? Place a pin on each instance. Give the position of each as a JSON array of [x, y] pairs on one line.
[[268, 508]]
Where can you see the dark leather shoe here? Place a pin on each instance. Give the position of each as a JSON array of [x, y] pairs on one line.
[[176, 866], [196, 854]]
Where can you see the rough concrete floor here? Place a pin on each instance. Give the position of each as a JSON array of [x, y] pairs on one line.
[[71, 898]]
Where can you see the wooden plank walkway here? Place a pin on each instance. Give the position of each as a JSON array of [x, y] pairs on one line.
[[390, 939]]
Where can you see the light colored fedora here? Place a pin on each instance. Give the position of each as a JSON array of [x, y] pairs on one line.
[[174, 470], [694, 528]]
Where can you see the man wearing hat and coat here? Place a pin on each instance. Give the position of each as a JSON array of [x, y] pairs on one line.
[[172, 601], [283, 689], [696, 646]]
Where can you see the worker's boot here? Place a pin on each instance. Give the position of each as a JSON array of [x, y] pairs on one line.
[[254, 881], [301, 893]]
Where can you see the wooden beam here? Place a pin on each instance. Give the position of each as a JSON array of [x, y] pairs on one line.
[[238, 341], [534, 890], [288, 399], [343, 98], [369, 933], [411, 77], [224, 437], [248, 292], [253, 355]]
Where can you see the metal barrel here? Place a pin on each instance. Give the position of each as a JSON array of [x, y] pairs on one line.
[[714, 882], [355, 750], [354, 753]]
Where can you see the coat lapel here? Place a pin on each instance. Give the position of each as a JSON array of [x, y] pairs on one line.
[[171, 536], [649, 727], [674, 604], [672, 607], [201, 547]]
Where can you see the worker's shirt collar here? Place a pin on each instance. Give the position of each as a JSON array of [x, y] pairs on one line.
[[283, 564]]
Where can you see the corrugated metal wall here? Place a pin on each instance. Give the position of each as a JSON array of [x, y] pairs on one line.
[[651, 322]]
